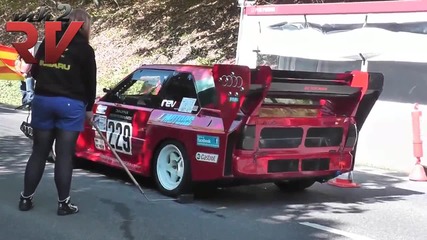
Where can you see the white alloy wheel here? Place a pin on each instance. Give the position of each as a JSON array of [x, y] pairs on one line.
[[170, 167]]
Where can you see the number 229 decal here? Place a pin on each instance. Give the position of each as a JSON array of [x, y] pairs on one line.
[[119, 136]]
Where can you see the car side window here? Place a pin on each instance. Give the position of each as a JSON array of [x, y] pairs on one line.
[[207, 92], [141, 88], [176, 88]]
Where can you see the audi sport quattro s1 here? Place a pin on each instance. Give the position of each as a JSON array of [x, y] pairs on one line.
[[183, 124]]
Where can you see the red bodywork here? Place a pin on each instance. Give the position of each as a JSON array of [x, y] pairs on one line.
[[250, 134]]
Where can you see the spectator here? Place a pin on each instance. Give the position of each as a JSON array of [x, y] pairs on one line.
[[64, 97], [27, 86]]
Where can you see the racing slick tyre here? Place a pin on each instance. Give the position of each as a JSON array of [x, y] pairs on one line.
[[171, 169], [295, 185]]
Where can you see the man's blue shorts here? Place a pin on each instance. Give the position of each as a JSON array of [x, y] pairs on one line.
[[57, 112]]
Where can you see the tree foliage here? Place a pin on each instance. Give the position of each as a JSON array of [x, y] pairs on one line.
[[264, 2]]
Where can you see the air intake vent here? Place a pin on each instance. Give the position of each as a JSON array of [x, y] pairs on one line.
[[288, 165], [324, 137], [281, 137], [315, 164]]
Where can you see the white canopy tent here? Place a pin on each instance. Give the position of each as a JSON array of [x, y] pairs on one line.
[[374, 44], [386, 138]]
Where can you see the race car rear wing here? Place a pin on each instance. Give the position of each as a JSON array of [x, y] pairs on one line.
[[311, 84], [330, 94]]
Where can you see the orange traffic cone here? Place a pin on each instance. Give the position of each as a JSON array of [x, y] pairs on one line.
[[418, 172], [344, 183]]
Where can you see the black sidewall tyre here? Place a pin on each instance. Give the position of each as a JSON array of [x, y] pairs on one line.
[[295, 186], [185, 185]]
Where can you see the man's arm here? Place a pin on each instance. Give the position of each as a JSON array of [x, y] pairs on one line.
[[34, 70], [90, 79]]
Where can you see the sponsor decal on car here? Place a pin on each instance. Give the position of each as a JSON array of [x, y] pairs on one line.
[[233, 99], [177, 119], [208, 141], [100, 121], [207, 157], [101, 109], [99, 142], [168, 103], [119, 114], [187, 105]]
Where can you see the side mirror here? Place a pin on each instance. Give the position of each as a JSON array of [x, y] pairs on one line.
[[106, 90]]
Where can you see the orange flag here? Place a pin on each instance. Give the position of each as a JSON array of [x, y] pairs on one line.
[[8, 55]]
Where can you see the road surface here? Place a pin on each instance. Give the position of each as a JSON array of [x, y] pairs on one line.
[[386, 207]]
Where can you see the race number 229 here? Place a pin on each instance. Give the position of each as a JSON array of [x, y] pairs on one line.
[[119, 136]]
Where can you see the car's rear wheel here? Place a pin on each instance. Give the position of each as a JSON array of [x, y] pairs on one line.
[[172, 169], [294, 185]]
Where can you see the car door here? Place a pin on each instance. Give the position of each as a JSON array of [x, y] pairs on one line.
[[126, 110]]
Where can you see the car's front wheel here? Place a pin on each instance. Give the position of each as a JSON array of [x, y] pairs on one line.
[[294, 185], [172, 169]]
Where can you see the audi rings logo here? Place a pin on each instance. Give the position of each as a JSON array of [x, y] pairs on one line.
[[231, 81]]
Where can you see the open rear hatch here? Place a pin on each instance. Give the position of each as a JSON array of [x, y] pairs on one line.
[[288, 108], [312, 94], [310, 113], [266, 93]]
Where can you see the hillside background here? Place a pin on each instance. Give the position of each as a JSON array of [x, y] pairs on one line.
[[128, 33]]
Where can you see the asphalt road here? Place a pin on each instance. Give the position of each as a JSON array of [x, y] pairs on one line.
[[387, 206]]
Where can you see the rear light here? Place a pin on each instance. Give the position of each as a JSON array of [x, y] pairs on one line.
[[327, 108], [351, 136], [343, 164], [247, 138]]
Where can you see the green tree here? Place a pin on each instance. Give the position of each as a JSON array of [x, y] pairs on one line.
[[263, 2]]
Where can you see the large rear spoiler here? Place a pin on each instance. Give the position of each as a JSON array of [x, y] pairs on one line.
[[241, 88]]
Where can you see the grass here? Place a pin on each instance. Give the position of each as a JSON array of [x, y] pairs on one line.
[[10, 94]]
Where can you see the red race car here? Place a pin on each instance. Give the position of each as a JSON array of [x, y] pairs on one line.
[[183, 124]]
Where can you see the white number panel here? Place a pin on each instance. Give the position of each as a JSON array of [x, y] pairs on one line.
[[119, 135]]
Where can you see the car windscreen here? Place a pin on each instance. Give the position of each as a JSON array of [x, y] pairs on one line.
[[137, 88]]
